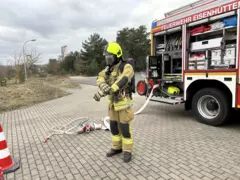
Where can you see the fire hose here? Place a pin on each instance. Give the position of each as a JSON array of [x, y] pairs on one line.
[[70, 128], [82, 126], [147, 101]]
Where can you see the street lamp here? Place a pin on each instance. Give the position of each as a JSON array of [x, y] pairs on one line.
[[25, 68]]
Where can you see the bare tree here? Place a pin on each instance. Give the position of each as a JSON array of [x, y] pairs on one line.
[[2, 70], [10, 68], [32, 59], [17, 62]]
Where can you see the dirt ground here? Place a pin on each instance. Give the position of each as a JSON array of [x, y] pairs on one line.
[[34, 90]]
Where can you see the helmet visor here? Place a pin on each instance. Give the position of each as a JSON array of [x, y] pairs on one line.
[[109, 59]]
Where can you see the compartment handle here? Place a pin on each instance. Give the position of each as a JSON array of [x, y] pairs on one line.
[[204, 42]]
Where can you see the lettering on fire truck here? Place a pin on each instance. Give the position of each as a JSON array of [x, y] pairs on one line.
[[202, 15]]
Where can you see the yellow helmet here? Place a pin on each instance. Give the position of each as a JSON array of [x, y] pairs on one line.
[[113, 48]]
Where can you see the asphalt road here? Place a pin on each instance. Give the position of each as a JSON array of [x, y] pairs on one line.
[[169, 144], [92, 80]]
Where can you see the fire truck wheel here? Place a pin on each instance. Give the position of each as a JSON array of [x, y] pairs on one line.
[[142, 88], [211, 106]]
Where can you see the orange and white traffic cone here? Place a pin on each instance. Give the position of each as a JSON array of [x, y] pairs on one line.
[[6, 162], [1, 174]]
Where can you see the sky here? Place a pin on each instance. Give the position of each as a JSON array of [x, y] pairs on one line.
[[55, 23]]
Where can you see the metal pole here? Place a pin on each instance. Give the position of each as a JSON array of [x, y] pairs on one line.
[[24, 62], [25, 68]]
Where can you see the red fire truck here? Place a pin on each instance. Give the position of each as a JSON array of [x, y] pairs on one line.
[[195, 60]]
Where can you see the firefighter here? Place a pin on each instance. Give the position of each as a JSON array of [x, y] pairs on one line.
[[120, 106]]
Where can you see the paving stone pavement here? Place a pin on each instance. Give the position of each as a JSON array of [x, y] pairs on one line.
[[168, 143]]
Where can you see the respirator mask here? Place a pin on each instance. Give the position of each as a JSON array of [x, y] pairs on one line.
[[110, 59]]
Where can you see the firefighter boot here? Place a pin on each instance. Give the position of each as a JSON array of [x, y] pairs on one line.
[[113, 152], [127, 157]]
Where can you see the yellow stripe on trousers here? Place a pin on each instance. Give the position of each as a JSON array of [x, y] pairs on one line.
[[116, 138], [127, 140]]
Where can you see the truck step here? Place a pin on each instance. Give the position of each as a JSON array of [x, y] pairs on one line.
[[168, 100]]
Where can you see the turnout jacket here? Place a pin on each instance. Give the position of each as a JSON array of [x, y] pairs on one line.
[[120, 97]]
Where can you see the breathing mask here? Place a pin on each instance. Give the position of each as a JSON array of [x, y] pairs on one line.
[[111, 59]]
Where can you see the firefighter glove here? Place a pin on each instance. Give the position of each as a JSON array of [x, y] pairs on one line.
[[97, 96], [105, 88]]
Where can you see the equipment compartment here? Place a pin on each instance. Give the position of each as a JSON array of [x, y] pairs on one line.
[[154, 67], [165, 65], [198, 61], [212, 45], [168, 42], [159, 44], [168, 46]]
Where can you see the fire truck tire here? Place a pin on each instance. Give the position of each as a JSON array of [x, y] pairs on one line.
[[211, 106], [142, 88]]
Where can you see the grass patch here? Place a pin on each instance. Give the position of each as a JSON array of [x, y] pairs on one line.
[[61, 81], [35, 90]]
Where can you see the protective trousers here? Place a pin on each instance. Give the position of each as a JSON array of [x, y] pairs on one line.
[[121, 128]]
